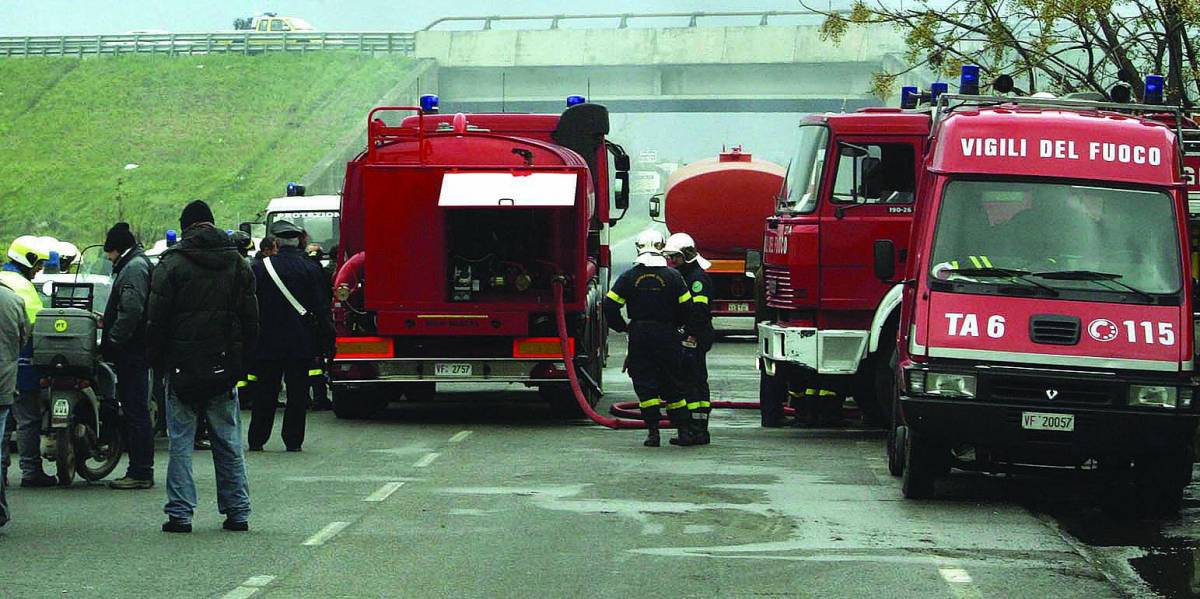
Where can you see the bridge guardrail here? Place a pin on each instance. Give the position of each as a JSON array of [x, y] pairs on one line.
[[623, 19], [207, 43]]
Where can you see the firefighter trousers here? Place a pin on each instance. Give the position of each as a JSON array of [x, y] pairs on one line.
[[656, 368]]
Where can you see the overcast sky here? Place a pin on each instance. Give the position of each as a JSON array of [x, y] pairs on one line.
[[82, 17]]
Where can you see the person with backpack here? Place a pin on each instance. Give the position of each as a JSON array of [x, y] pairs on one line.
[[202, 326]]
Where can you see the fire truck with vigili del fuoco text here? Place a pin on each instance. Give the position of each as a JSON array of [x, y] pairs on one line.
[[1044, 317], [461, 237]]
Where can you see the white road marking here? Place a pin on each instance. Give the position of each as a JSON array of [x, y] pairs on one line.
[[326, 533], [961, 584], [249, 588], [427, 460], [382, 493], [460, 436]]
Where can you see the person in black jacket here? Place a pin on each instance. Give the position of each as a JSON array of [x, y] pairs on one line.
[[286, 348], [681, 252], [202, 325], [658, 304], [124, 344]]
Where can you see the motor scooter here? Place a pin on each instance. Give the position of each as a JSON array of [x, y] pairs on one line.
[[82, 428]]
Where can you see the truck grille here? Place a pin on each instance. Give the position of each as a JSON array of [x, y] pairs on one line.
[[1050, 329], [779, 287], [1050, 392]]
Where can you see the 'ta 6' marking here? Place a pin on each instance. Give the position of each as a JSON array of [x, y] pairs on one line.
[[967, 325]]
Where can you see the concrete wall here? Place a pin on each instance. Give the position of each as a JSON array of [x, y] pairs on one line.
[[673, 46]]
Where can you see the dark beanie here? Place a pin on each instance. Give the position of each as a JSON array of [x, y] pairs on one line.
[[195, 212], [119, 238]]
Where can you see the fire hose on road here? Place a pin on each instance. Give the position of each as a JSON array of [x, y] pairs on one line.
[[627, 413]]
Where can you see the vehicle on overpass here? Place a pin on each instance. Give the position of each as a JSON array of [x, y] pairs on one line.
[[462, 236], [1046, 316], [722, 203], [273, 23]]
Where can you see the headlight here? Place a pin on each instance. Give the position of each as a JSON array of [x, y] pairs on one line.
[[1153, 396], [950, 385], [916, 381]]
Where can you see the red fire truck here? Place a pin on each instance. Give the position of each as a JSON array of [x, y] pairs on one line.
[[456, 232], [1046, 316], [828, 322], [721, 202]]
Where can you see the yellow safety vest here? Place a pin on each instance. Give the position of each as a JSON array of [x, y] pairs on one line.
[[24, 290]]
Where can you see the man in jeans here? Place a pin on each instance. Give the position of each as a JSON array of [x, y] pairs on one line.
[[14, 332], [124, 344], [203, 322]]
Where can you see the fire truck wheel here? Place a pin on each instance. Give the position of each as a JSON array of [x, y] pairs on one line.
[[1161, 480], [897, 437], [923, 461], [357, 405]]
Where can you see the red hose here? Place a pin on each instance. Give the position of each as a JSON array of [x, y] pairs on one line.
[[628, 409], [573, 377]]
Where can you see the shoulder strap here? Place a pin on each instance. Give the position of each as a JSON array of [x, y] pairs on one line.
[[283, 288]]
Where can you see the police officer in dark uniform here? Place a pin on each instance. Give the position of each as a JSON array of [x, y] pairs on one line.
[[682, 254], [658, 303]]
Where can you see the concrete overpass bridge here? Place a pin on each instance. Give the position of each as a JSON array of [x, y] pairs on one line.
[[687, 66]]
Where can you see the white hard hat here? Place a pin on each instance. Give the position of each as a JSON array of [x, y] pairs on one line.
[[683, 244], [27, 250], [649, 241], [67, 249]]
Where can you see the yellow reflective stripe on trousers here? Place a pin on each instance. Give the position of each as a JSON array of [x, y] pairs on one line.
[[687, 296], [695, 405], [315, 372], [241, 384], [700, 299], [612, 295], [705, 404], [675, 405], [650, 403], [251, 377], [827, 393]]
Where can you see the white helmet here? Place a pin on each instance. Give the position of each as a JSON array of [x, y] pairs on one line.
[[649, 242], [28, 250], [684, 245]]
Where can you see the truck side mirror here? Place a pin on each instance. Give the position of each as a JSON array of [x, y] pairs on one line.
[[655, 207], [753, 263], [621, 162], [621, 198], [885, 259], [245, 228]]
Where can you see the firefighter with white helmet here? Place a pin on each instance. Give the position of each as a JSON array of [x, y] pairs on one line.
[[26, 257], [658, 304], [67, 254], [681, 252]]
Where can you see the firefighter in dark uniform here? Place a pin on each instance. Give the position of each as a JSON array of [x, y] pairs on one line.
[[658, 303], [319, 373], [683, 256]]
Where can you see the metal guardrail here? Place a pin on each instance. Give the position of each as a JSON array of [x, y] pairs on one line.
[[624, 18], [206, 43]]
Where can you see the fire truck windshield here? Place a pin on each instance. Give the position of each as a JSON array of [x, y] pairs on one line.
[[322, 227], [799, 192], [1072, 241]]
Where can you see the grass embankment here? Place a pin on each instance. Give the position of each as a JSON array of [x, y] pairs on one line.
[[231, 130]]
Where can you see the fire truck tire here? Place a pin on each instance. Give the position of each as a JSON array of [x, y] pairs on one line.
[[897, 438], [923, 461], [1160, 482], [357, 405], [562, 399]]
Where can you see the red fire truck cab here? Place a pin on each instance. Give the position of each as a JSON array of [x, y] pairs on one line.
[[455, 229], [1046, 316]]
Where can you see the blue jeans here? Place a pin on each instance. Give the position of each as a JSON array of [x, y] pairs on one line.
[[133, 388], [225, 432], [4, 467]]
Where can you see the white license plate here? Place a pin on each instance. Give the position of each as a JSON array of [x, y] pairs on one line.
[[62, 408], [452, 369], [1041, 421], [744, 308]]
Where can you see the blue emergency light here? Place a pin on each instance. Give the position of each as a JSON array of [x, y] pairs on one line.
[[575, 100], [937, 89], [1154, 89], [294, 189], [429, 103], [909, 95], [172, 237], [53, 261], [968, 80]]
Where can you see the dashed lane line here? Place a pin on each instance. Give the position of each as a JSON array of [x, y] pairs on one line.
[[427, 460], [960, 582], [325, 534], [249, 588], [460, 436], [382, 493]]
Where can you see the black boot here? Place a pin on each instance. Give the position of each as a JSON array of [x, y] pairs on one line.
[[700, 423], [651, 416], [682, 420]]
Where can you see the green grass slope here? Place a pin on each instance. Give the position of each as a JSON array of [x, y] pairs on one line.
[[231, 130]]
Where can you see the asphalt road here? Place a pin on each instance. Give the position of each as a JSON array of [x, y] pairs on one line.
[[487, 493]]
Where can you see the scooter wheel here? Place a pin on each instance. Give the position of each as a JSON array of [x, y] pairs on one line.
[[64, 457]]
